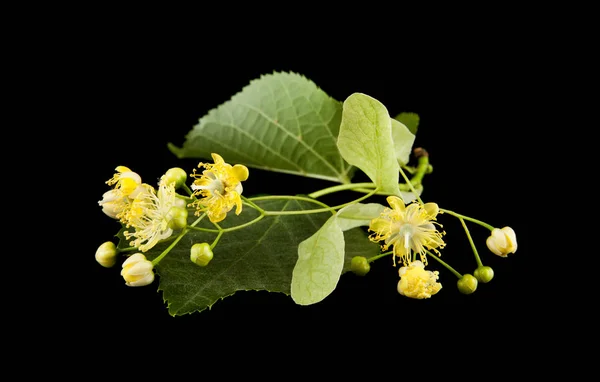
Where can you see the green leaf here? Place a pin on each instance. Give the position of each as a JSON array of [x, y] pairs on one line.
[[320, 263], [410, 120], [365, 141], [280, 122], [356, 215], [403, 141], [259, 257]]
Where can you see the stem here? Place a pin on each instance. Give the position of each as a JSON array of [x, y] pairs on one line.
[[128, 249], [187, 189], [342, 187], [423, 164], [181, 235], [479, 263], [446, 265], [289, 197], [258, 218], [329, 209], [411, 170], [419, 172], [214, 243], [228, 229], [467, 218], [252, 204], [401, 187], [204, 229], [379, 256], [183, 197], [412, 188]]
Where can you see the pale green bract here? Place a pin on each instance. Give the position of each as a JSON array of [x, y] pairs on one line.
[[403, 141], [320, 263], [321, 256], [359, 214], [280, 122], [365, 141]]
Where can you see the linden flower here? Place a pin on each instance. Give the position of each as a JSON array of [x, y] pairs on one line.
[[408, 229], [416, 282], [502, 241], [116, 201], [149, 215], [219, 187]]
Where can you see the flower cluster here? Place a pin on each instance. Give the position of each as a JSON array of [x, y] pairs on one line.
[[411, 229], [152, 215]]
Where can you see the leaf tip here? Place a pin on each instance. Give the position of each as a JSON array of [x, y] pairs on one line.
[[177, 151]]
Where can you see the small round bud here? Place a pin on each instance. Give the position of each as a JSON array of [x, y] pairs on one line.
[[201, 254], [467, 284], [484, 274], [359, 265], [106, 254], [177, 218], [175, 175]]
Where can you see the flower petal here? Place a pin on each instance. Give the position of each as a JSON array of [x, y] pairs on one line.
[[240, 172], [396, 203], [217, 158], [432, 209]]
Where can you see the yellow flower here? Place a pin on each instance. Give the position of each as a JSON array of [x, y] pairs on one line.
[[502, 241], [219, 187], [137, 271], [116, 202], [149, 215], [408, 229], [416, 282]]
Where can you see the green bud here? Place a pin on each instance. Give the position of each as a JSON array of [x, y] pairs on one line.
[[177, 218], [201, 254], [175, 175], [106, 254], [484, 274], [467, 284], [359, 265]]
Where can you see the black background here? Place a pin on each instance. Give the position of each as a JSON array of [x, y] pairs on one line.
[[133, 99]]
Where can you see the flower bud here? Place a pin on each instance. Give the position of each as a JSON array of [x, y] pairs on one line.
[[360, 266], [137, 270], [201, 254], [502, 241], [106, 254], [484, 274], [175, 175], [467, 284], [107, 203], [177, 218]]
